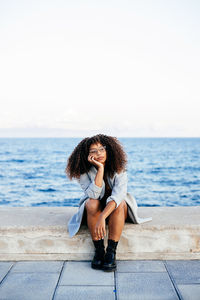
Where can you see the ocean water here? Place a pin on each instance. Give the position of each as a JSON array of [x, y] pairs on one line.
[[161, 171]]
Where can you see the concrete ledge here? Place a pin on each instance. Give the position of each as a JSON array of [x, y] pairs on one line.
[[40, 233]]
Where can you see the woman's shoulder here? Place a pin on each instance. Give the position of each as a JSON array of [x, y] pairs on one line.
[[122, 172], [89, 174], [120, 175]]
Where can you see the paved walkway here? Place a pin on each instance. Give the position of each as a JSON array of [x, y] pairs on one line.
[[62, 280]]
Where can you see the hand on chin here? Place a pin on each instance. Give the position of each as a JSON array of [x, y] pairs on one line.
[[95, 162]]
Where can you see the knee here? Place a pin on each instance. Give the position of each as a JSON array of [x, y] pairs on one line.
[[92, 206]]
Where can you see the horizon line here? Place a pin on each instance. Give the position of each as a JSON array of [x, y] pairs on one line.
[[62, 137]]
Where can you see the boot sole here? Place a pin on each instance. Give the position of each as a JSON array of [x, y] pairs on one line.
[[109, 269], [96, 267]]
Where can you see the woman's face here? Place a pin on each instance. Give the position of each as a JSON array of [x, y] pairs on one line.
[[99, 152]]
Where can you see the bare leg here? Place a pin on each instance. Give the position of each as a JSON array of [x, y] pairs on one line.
[[116, 221], [93, 209]]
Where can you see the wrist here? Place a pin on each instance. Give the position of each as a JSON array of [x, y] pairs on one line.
[[101, 167], [102, 216]]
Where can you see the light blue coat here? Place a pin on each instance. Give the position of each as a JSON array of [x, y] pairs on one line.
[[118, 184]]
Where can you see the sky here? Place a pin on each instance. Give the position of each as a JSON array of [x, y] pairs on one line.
[[77, 68]]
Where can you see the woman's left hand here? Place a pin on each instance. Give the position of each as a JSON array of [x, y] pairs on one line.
[[100, 227]]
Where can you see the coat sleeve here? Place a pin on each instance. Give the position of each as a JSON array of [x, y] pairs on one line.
[[89, 187], [119, 189]]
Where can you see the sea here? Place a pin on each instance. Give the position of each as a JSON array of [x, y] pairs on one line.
[[161, 171]]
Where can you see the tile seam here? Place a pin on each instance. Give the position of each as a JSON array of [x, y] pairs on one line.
[[1, 282], [173, 281], [58, 280]]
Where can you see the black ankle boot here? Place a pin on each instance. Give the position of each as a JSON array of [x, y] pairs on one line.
[[98, 259], [109, 261]]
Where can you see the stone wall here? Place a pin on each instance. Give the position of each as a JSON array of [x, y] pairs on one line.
[[37, 233]]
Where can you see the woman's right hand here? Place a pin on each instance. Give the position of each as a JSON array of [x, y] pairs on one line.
[[94, 161]]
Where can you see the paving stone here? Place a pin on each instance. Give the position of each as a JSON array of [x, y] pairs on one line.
[[28, 286], [85, 292], [140, 266], [145, 286], [185, 271], [190, 291], [81, 273], [38, 266], [4, 268]]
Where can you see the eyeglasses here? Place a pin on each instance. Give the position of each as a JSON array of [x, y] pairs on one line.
[[100, 149]]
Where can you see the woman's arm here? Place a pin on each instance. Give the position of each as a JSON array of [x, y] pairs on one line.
[[100, 170], [89, 187], [92, 188], [108, 209], [99, 176], [100, 227]]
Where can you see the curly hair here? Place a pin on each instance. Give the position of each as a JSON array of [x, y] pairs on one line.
[[78, 163]]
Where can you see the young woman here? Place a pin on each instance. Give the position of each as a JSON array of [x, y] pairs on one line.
[[99, 164]]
